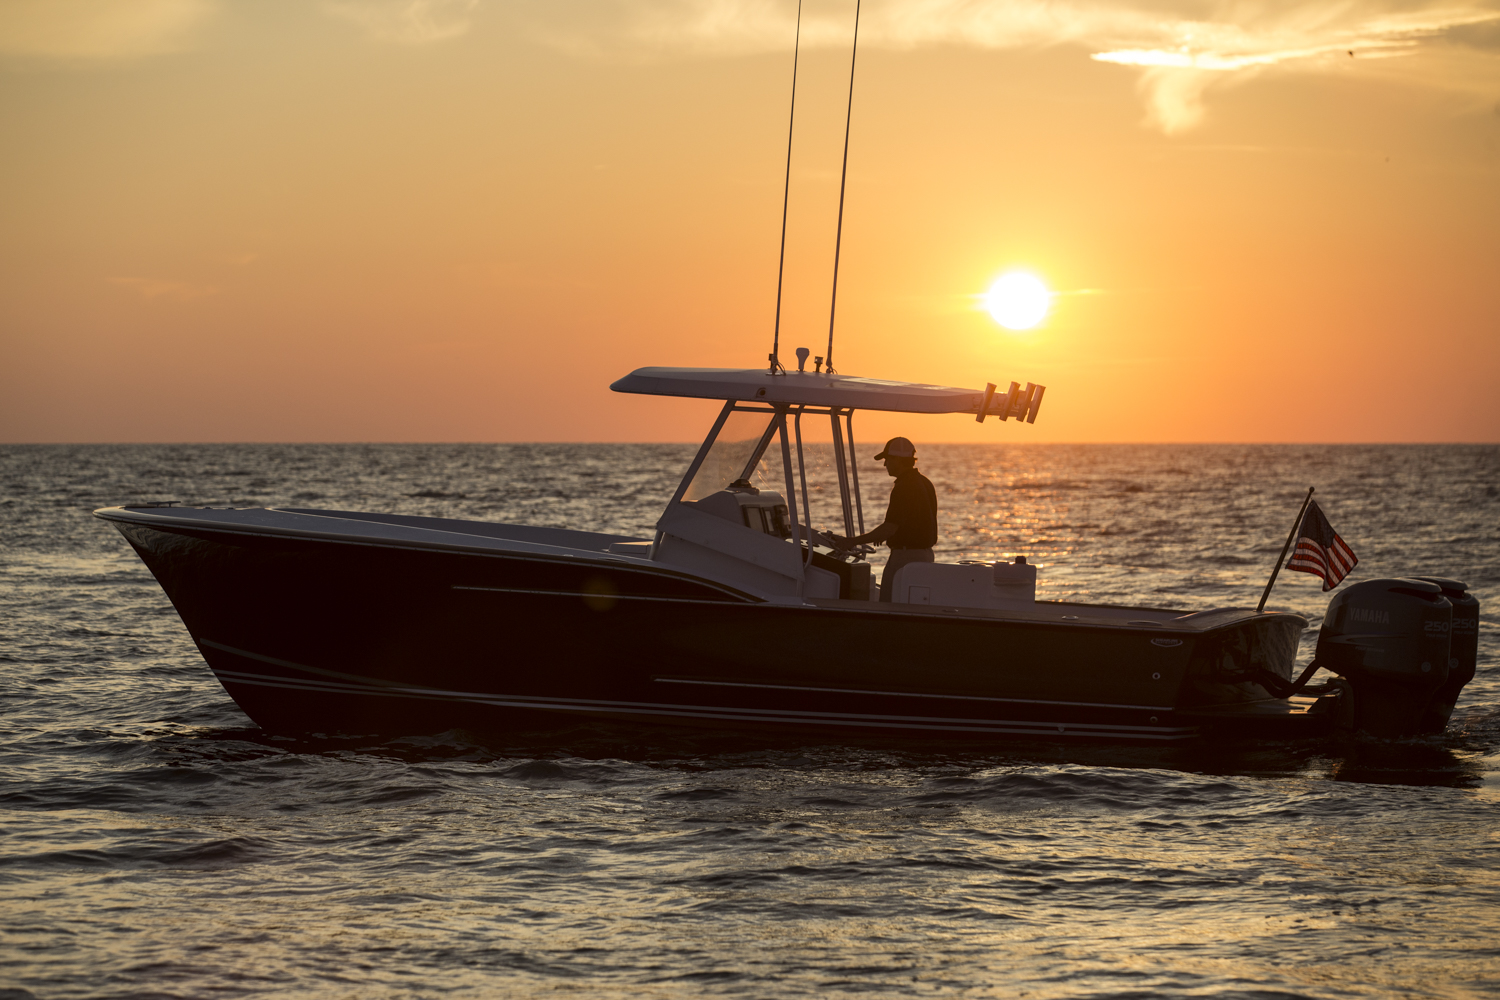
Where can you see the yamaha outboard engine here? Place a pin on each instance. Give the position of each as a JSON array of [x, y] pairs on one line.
[[1463, 653], [1390, 640]]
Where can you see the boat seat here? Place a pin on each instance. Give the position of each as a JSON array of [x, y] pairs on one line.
[[966, 585]]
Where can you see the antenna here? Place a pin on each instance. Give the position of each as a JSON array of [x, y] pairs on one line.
[[838, 240], [786, 192]]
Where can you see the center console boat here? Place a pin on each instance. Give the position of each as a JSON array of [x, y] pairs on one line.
[[736, 614]]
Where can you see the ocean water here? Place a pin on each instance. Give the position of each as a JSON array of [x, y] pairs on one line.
[[155, 843]]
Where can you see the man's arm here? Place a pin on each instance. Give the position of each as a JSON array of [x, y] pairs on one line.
[[880, 533], [876, 535]]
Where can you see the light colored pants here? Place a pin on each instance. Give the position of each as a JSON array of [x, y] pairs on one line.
[[899, 558]]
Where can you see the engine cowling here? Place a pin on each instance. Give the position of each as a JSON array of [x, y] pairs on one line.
[[1463, 651], [1391, 640]]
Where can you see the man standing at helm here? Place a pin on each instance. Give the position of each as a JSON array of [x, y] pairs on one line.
[[910, 525]]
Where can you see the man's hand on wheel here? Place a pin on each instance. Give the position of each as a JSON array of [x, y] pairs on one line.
[[838, 541]]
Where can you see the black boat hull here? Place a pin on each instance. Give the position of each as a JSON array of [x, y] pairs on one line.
[[319, 635]]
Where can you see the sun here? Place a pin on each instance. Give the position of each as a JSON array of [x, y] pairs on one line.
[[1018, 300]]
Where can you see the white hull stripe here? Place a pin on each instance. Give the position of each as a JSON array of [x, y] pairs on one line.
[[355, 685], [911, 694], [732, 601]]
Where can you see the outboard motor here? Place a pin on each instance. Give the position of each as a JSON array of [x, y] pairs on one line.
[[1390, 640], [1463, 653]]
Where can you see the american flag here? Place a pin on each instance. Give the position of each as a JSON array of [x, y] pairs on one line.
[[1320, 551]]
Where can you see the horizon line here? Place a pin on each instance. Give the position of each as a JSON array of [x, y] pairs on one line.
[[605, 444]]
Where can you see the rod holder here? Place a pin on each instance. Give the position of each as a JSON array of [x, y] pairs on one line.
[[984, 405]]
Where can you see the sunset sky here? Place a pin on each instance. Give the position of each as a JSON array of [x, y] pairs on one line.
[[460, 220]]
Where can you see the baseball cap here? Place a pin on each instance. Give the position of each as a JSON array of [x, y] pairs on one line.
[[898, 448]]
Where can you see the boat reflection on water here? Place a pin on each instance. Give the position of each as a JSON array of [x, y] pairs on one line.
[[1408, 763], [1449, 761]]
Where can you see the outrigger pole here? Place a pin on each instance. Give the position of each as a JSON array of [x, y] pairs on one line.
[[838, 239], [786, 193], [1282, 558]]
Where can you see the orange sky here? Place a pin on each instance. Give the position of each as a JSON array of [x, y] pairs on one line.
[[460, 220]]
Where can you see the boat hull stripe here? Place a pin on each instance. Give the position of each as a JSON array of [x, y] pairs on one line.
[[342, 683], [913, 694], [614, 597]]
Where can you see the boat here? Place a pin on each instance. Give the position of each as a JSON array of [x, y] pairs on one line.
[[738, 613]]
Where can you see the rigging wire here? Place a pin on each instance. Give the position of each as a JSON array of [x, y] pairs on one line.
[[786, 193], [843, 181]]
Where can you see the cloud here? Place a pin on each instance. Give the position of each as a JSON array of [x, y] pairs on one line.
[[1182, 49], [115, 29], [1480, 35], [98, 29], [1178, 73], [158, 288], [412, 22]]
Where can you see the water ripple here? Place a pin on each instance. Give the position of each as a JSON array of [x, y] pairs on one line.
[[156, 844]]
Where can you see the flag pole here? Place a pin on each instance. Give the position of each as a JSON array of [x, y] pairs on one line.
[[1282, 558]]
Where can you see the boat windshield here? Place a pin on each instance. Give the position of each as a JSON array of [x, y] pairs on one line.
[[736, 454]]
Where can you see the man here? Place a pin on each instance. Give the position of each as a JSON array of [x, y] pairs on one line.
[[910, 525]]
